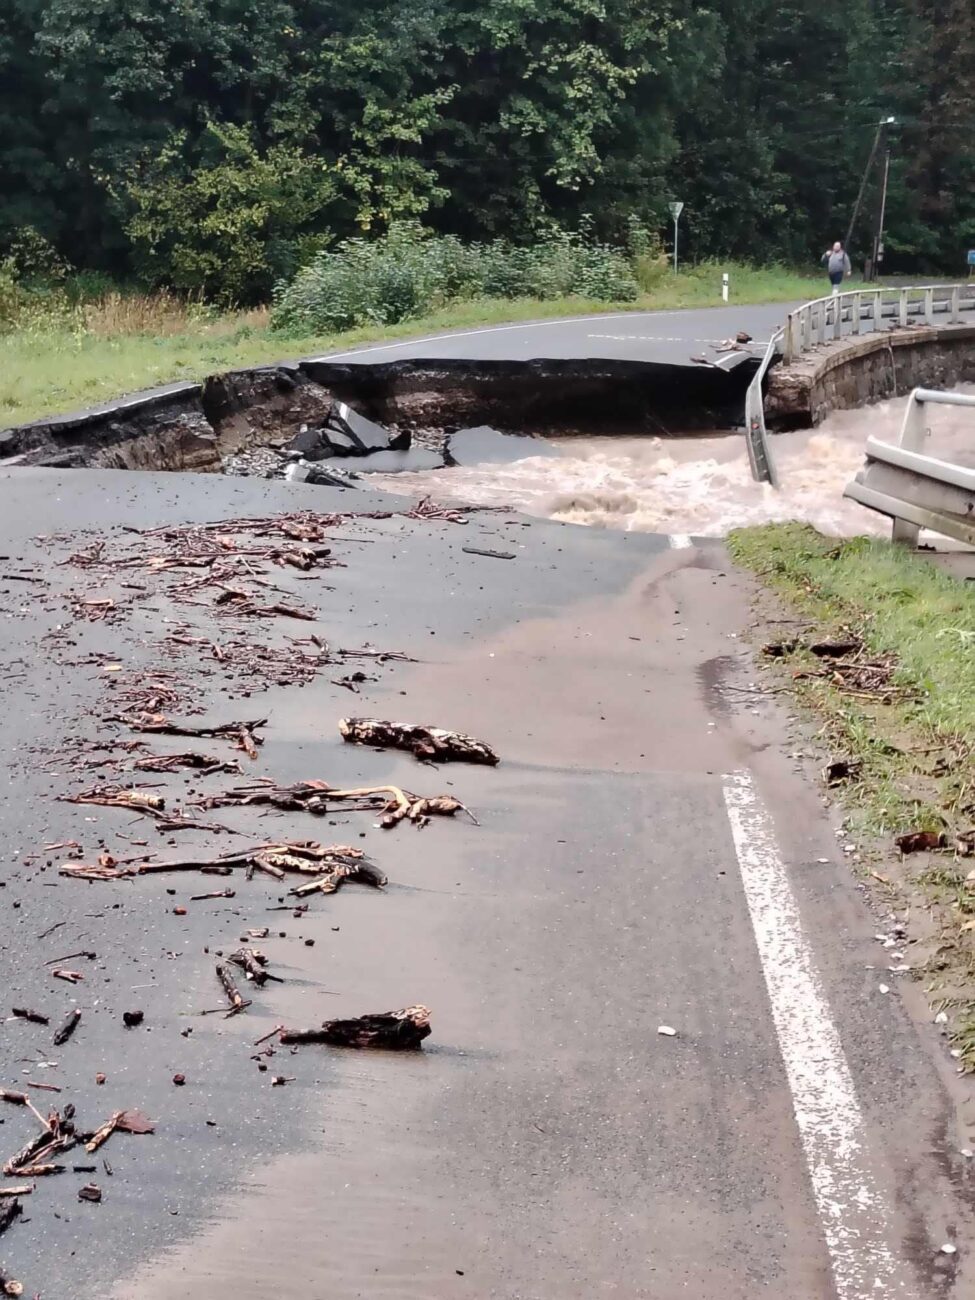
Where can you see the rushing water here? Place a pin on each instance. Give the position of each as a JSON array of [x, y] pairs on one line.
[[699, 485]]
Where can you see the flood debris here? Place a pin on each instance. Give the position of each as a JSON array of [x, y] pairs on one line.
[[362, 871], [235, 998], [68, 1028], [841, 770], [72, 976], [489, 554], [243, 735], [9, 1211], [90, 1192], [146, 804], [22, 1189], [395, 1031], [920, 841], [393, 803], [253, 963], [25, 1013], [132, 1018], [429, 743], [206, 764]]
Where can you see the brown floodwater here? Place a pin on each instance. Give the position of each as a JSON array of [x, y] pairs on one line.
[[697, 485]]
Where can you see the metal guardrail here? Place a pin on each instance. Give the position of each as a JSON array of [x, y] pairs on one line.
[[756, 435], [915, 490], [864, 311], [825, 319]]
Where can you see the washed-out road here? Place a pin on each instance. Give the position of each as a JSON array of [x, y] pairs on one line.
[[652, 854]]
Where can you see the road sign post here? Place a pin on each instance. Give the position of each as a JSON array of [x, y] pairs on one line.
[[676, 208]]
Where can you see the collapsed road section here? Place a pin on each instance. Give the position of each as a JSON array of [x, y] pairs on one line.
[[262, 416]]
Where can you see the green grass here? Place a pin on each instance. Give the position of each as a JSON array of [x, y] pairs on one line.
[[914, 741], [46, 370]]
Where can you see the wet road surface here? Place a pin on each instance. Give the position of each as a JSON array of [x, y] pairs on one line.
[[663, 337], [650, 854]]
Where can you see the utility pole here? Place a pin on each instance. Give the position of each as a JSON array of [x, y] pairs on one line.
[[878, 243], [881, 129]]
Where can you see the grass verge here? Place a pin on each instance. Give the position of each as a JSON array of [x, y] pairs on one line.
[[124, 343], [899, 712]]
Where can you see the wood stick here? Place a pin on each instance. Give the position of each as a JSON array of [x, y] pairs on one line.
[[68, 1028], [24, 1189], [234, 995], [24, 1013], [101, 1135]]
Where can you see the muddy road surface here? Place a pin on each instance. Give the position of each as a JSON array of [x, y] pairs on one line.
[[661, 1063]]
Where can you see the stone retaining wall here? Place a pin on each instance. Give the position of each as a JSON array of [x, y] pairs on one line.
[[857, 371]]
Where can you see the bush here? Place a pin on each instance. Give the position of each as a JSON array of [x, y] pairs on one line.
[[409, 272]]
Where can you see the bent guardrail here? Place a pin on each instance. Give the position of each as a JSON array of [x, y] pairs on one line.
[[756, 434], [915, 490]]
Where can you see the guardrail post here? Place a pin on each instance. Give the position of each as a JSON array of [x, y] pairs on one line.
[[821, 323], [855, 314], [929, 306], [838, 315], [913, 429], [903, 307], [790, 348], [955, 306]]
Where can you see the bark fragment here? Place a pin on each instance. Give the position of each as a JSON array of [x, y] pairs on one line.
[[395, 1031], [433, 743]]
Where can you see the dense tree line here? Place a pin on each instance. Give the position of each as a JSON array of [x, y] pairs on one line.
[[217, 144]]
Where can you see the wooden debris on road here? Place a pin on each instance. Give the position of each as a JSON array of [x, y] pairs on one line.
[[140, 801], [431, 743], [68, 1028], [393, 803], [387, 1030], [35, 1017], [243, 734], [234, 996], [254, 965], [206, 764], [9, 1210]]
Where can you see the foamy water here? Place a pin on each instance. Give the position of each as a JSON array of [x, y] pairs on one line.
[[697, 485]]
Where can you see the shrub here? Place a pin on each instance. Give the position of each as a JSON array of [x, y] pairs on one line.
[[408, 272]]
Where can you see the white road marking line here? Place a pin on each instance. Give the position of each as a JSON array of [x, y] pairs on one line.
[[855, 1219], [680, 540], [490, 329]]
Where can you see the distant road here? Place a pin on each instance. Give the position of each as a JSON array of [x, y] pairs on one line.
[[665, 337]]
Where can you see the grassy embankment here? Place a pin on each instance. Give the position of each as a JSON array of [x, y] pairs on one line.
[[901, 712], [123, 343]]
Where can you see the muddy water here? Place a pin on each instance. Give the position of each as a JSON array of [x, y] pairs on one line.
[[699, 485]]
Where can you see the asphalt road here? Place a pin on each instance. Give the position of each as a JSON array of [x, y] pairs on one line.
[[664, 337], [649, 854]]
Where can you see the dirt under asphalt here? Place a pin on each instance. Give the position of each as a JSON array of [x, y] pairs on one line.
[[547, 1144]]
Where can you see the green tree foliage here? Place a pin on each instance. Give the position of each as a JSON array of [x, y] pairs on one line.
[[231, 223], [207, 143]]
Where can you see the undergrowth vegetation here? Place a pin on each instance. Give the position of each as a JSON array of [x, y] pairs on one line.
[[897, 717]]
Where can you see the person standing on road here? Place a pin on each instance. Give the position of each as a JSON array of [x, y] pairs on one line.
[[837, 265]]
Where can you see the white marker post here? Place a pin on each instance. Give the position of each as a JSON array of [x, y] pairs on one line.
[[724, 286], [676, 208]]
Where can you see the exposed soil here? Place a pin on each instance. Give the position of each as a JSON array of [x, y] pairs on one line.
[[198, 427]]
